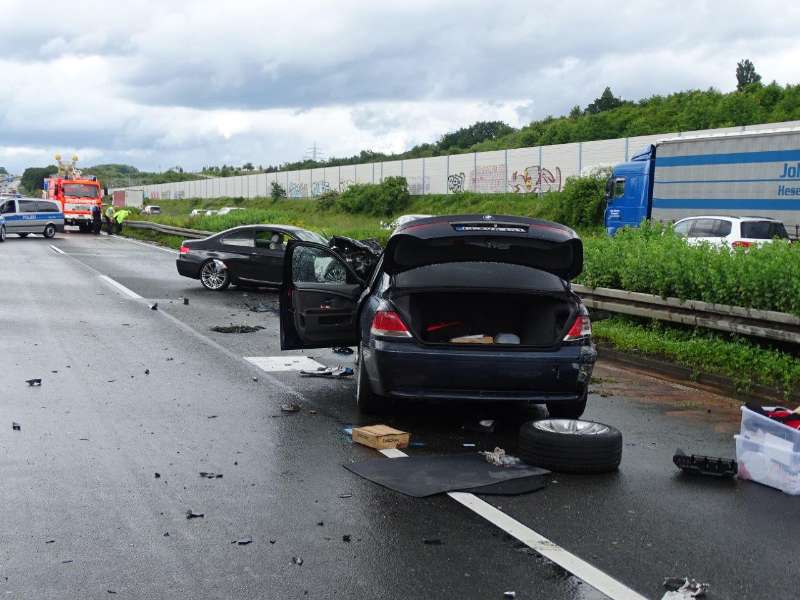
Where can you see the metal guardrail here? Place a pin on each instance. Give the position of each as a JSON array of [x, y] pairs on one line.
[[765, 324], [168, 229]]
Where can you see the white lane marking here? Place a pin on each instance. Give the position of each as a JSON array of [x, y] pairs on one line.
[[145, 244], [128, 292], [275, 364], [550, 550], [57, 249], [577, 566], [393, 453]]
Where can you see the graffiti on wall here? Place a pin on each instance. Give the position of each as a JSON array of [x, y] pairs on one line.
[[455, 183], [418, 185], [345, 183], [535, 179], [489, 178], [297, 189], [320, 187]]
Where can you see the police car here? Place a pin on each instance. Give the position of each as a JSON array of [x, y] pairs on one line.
[[24, 216]]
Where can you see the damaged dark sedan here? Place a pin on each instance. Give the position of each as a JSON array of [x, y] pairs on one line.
[[471, 308]]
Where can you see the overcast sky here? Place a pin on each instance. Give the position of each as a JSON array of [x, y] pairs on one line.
[[158, 83]]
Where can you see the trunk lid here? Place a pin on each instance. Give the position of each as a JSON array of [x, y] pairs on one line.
[[535, 243]]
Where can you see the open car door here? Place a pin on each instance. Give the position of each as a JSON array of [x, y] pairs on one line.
[[319, 298]]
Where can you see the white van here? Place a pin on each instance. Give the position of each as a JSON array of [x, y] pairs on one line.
[[24, 216]]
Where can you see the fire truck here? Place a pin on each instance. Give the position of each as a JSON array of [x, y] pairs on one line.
[[77, 194]]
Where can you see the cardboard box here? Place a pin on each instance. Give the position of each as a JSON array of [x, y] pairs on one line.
[[380, 437]]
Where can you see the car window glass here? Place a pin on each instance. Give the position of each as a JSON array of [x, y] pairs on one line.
[[8, 207], [763, 230], [242, 238], [28, 206], [722, 228], [270, 240], [703, 228], [317, 265], [619, 187], [47, 207], [682, 228]]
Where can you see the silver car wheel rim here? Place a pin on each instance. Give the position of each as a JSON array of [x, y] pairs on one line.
[[571, 427], [212, 276]]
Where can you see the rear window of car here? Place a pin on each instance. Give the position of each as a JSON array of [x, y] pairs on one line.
[[763, 230], [710, 228]]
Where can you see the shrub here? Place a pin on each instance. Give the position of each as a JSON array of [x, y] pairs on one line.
[[277, 192], [327, 200], [380, 200]]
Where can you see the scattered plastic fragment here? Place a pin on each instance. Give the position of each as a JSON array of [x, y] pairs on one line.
[[297, 560], [346, 537], [509, 594], [111, 591], [158, 475], [328, 372], [261, 308], [345, 495], [147, 371], [432, 541], [166, 534], [290, 407], [193, 515], [154, 306], [499, 458], [272, 541], [683, 588], [64, 562], [16, 426], [343, 350], [348, 431], [705, 465], [34, 382], [243, 541], [185, 301], [321, 523], [207, 475], [211, 417], [255, 378], [468, 445], [236, 328], [50, 542]]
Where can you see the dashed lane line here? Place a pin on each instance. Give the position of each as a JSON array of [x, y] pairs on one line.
[[56, 249], [128, 292]]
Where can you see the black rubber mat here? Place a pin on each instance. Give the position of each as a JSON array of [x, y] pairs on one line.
[[421, 476]]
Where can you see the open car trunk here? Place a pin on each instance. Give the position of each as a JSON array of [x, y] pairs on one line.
[[488, 318], [484, 303]]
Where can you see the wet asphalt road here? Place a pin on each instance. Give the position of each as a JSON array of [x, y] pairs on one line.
[[85, 515]]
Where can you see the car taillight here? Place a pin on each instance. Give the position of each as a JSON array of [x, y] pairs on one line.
[[581, 328], [184, 250], [388, 323], [741, 244]]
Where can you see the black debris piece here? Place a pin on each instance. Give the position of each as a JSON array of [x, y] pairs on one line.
[[50, 542], [272, 541], [509, 595], [343, 350], [255, 378], [166, 534], [34, 382], [210, 475], [111, 591], [147, 371], [432, 541], [243, 541], [158, 475], [54, 371], [236, 463], [236, 328], [321, 523], [297, 560], [345, 495], [290, 408], [212, 416], [154, 306], [83, 439], [685, 587], [64, 562], [185, 301], [705, 465], [346, 537], [16, 426], [193, 515]]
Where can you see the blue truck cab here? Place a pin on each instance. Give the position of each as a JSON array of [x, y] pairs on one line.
[[629, 191]]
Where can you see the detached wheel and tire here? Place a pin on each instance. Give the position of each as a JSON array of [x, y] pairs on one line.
[[368, 402], [571, 445], [50, 231], [213, 277]]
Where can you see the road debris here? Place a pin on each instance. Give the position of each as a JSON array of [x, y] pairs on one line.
[[16, 426], [297, 560], [380, 437], [346, 537], [337, 372], [207, 475], [154, 306], [243, 541], [704, 465], [157, 475], [193, 515], [468, 445], [432, 541], [236, 328], [261, 308], [345, 495], [290, 407], [185, 301], [683, 588], [499, 458], [147, 371], [50, 542], [509, 595], [343, 350], [34, 382]]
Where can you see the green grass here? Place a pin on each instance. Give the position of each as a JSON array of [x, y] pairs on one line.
[[162, 239], [742, 361]]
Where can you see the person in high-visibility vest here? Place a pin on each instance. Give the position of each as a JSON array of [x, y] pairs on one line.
[[110, 219], [119, 217]]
